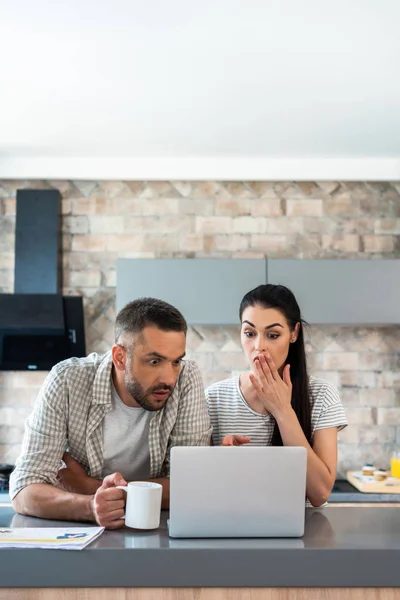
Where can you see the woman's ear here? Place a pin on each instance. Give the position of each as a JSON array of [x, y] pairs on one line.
[[295, 333]]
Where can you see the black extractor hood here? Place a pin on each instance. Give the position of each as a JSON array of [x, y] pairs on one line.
[[38, 326]]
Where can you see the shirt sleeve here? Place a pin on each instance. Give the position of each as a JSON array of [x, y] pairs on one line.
[[332, 413], [45, 437], [212, 406], [192, 426]]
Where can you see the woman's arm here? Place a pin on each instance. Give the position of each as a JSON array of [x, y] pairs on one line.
[[321, 458], [275, 392]]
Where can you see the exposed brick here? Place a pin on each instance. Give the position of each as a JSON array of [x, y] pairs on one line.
[[284, 225], [89, 243], [213, 225], [359, 379], [341, 361], [197, 206], [191, 242], [183, 187], [232, 206], [106, 224], [232, 243], [110, 279], [124, 206], [312, 208], [249, 225], [74, 224], [378, 243], [9, 453], [266, 207], [270, 244], [6, 260], [10, 206], [377, 397], [11, 435], [124, 242], [360, 415], [342, 243], [350, 397], [379, 434], [160, 243], [388, 416], [89, 206], [342, 204], [350, 434], [86, 278], [157, 206], [11, 417], [388, 226], [230, 360]]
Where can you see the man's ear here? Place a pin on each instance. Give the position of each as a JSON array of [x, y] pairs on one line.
[[119, 357]]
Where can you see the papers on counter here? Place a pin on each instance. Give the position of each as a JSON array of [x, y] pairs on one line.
[[60, 538]]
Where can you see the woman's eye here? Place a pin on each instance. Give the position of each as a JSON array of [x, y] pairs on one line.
[[272, 336], [248, 333]]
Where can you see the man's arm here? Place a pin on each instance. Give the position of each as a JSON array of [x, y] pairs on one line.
[[73, 478], [48, 502], [44, 443], [105, 507], [192, 426]]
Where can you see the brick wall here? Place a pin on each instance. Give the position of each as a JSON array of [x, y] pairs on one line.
[[104, 220]]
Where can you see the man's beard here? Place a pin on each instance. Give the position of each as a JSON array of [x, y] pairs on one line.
[[141, 396]]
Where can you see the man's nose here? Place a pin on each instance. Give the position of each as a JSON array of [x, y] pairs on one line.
[[169, 376]]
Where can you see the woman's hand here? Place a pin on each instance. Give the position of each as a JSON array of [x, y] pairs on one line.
[[235, 440], [274, 393]]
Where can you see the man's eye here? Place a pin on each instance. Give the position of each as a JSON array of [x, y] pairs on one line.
[[154, 361], [177, 363]]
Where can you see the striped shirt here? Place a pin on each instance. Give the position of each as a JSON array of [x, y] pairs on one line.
[[230, 413]]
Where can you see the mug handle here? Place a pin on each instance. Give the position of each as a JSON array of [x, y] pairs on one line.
[[123, 487]]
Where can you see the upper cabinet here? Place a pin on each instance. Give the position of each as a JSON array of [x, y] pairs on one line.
[[342, 292], [209, 291], [206, 291]]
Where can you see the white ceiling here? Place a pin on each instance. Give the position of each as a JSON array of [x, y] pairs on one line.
[[104, 87]]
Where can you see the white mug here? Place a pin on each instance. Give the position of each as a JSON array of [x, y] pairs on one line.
[[143, 504]]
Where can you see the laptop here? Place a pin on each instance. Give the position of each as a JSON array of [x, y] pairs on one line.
[[237, 491]]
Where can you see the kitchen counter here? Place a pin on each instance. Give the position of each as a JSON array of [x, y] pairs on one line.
[[342, 547], [343, 491]]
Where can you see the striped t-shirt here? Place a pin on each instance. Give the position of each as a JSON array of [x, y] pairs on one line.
[[230, 413]]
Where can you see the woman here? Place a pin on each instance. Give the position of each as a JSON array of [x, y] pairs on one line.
[[276, 402]]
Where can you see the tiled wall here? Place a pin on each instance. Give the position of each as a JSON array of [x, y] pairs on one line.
[[104, 220]]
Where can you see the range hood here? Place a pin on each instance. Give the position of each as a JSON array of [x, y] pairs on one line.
[[38, 326]]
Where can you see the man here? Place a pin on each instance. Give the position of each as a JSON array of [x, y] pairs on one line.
[[117, 415]]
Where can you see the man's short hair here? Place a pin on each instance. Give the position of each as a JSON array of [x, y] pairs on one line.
[[148, 312]]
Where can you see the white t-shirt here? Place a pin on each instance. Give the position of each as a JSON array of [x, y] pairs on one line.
[[230, 413], [126, 440]]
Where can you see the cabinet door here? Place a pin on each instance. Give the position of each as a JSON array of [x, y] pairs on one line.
[[345, 292], [206, 291]]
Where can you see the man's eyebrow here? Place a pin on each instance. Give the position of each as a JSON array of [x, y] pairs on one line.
[[157, 355], [266, 327]]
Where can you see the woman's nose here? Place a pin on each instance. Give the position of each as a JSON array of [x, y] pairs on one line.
[[260, 344]]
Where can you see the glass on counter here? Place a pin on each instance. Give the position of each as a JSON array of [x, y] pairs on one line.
[[395, 464]]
